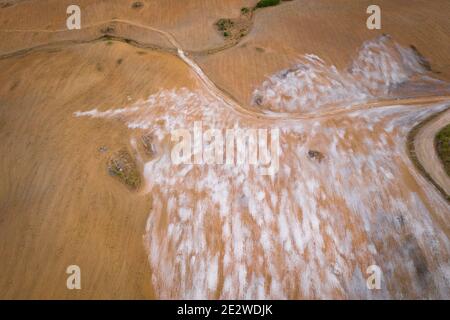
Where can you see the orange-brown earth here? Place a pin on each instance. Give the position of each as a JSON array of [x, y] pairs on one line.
[[214, 231]]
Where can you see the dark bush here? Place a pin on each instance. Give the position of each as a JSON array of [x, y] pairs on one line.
[[442, 143], [267, 3], [137, 5]]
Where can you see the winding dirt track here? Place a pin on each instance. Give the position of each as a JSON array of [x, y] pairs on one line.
[[209, 85], [427, 155], [423, 140]]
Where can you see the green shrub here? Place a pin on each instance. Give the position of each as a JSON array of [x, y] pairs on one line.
[[224, 24], [267, 3], [442, 143], [123, 166]]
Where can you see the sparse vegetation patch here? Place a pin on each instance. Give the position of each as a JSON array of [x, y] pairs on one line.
[[245, 10], [267, 3], [224, 24], [137, 5], [5, 5], [123, 166], [234, 29], [442, 143]]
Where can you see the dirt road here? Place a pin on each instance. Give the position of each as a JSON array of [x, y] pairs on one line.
[[426, 153]]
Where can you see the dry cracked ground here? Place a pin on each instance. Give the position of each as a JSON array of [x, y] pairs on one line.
[[87, 177]]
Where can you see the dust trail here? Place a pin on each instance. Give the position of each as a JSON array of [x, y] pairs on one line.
[[333, 91]]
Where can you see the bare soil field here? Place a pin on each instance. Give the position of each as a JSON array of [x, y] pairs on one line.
[[59, 206], [283, 34], [86, 118]]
